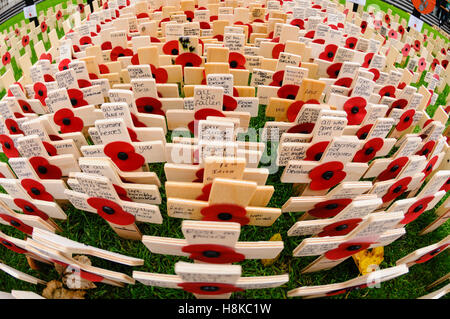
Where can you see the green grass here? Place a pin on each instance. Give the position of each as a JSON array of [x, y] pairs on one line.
[[91, 229]]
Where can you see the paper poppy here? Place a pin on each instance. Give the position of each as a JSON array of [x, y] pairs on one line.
[[434, 63], [58, 15], [329, 208], [122, 192], [443, 51], [326, 175], [295, 108], [388, 90], [51, 150], [396, 189], [208, 288], [310, 34], [46, 56], [36, 190], [17, 32], [82, 83], [333, 70], [213, 254], [344, 82], [401, 30], [416, 45], [426, 148], [406, 49], [277, 49], [431, 254], [44, 169], [25, 40], [159, 74], [393, 169], [350, 43], [303, 128], [8, 146], [392, 34], [288, 91], [64, 64], [13, 127], [416, 209], [444, 63], [111, 211], [85, 40], [226, 213], [318, 41], [81, 7], [367, 60], [364, 131], [363, 26], [229, 103], [76, 48], [118, 52], [189, 59], [40, 92], [171, 47], [43, 26], [315, 152], [345, 250], [405, 120], [106, 45], [204, 25], [6, 59], [340, 228], [67, 121], [277, 78], [142, 15], [76, 97], [298, 23], [29, 209], [12, 246], [236, 60], [136, 122], [401, 85], [17, 223], [149, 105], [446, 186], [376, 74], [103, 69], [369, 150], [355, 107], [429, 168], [124, 156], [329, 52]]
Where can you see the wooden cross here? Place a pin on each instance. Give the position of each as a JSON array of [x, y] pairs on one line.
[[424, 254]]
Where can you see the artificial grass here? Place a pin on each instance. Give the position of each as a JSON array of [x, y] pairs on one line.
[[91, 229]]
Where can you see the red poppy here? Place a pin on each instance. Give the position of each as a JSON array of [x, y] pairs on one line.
[[118, 52], [319, 41], [25, 40], [82, 83], [426, 149], [387, 19], [345, 250], [444, 63], [303, 128], [111, 211], [106, 45], [171, 47], [64, 64], [288, 91], [277, 49], [443, 51], [363, 26], [431, 254], [12, 246], [298, 23], [124, 156], [344, 82], [226, 213], [81, 7], [277, 78], [401, 30], [204, 25], [367, 60], [40, 92], [369, 151], [8, 146], [122, 192], [315, 152], [406, 49], [405, 120], [159, 74], [136, 122], [350, 43], [310, 34], [329, 52], [398, 104], [416, 209], [329, 208], [6, 59], [416, 45], [85, 40], [17, 223], [364, 131], [429, 168], [219, 37], [446, 186], [103, 69], [142, 15], [295, 108], [236, 60], [189, 59], [44, 169], [13, 127], [376, 74], [229, 103], [340, 228], [29, 209], [355, 107], [208, 288], [17, 32], [388, 90], [326, 175], [51, 150], [214, 254], [396, 189], [76, 98], [392, 34], [67, 121], [334, 69], [434, 63], [36, 190], [58, 15], [149, 105], [393, 169]]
